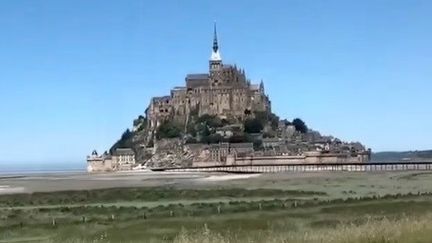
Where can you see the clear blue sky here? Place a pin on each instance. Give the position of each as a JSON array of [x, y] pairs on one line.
[[74, 74]]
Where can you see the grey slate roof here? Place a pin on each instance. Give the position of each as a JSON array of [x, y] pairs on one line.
[[241, 145], [197, 76], [124, 151], [161, 98]]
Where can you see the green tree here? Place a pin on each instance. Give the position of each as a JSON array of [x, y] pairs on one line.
[[274, 121], [238, 139], [202, 130], [267, 117], [213, 138], [211, 121], [300, 125], [286, 122], [126, 134], [191, 129], [253, 125], [168, 130], [139, 120], [261, 116], [125, 141], [140, 123], [191, 140]]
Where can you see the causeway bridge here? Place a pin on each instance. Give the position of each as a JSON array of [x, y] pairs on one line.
[[276, 168]]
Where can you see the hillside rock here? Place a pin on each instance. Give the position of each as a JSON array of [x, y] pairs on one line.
[[171, 153]]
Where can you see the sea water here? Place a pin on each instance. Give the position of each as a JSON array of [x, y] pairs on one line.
[[9, 168]]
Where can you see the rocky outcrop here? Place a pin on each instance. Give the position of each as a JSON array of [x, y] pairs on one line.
[[171, 153]]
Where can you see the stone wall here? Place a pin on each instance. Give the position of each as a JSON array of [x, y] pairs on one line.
[[303, 159], [99, 164]]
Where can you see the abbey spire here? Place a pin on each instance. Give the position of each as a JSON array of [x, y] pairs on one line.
[[215, 56], [215, 41]]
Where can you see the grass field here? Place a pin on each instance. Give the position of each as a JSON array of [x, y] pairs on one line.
[[390, 207]]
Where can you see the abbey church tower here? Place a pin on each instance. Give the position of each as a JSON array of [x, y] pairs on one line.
[[215, 63]]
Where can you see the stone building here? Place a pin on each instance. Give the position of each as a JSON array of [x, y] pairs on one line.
[[268, 143], [99, 163], [124, 158], [219, 152], [224, 91], [121, 159]]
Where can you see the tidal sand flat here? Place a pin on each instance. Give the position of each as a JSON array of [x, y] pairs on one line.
[[6, 189], [84, 181]]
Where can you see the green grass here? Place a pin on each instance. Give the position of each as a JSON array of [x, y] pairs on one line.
[[284, 212], [150, 194], [406, 229], [235, 220]]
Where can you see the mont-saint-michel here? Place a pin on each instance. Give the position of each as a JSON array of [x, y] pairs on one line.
[[220, 118], [261, 132]]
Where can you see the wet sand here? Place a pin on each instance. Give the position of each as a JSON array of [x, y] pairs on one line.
[[335, 184], [84, 181]]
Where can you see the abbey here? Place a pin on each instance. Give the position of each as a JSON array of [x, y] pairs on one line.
[[220, 118], [224, 91]]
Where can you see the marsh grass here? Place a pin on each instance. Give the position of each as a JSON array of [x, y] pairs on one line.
[[217, 215], [149, 194], [406, 229], [239, 221]]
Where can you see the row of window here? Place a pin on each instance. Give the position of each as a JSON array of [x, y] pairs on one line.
[[126, 158]]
